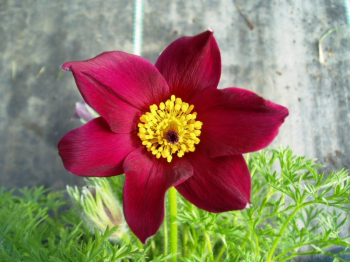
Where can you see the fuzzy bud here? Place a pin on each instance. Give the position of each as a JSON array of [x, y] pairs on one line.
[[99, 206]]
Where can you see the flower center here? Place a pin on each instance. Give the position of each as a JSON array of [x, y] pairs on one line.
[[170, 128], [172, 137]]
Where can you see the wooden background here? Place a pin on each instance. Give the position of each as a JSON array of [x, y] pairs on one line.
[[278, 59]]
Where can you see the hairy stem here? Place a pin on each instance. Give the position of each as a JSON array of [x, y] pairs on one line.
[[172, 222], [165, 224]]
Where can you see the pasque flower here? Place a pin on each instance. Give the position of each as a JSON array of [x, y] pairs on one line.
[[168, 125]]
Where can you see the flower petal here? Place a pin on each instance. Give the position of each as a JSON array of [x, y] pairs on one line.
[[146, 181], [191, 64], [118, 86], [217, 185], [94, 150], [236, 121]]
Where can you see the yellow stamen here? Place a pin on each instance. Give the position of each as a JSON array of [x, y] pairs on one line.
[[170, 129]]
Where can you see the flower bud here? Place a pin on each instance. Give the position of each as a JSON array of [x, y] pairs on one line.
[[99, 206], [84, 112]]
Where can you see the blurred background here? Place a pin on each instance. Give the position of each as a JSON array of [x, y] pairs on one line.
[[268, 46]]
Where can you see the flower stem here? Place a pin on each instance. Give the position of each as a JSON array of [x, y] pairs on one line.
[[275, 243], [165, 234], [153, 247], [172, 222], [210, 249], [185, 240], [222, 251]]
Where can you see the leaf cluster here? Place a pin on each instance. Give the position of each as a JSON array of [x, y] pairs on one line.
[[296, 211], [37, 225]]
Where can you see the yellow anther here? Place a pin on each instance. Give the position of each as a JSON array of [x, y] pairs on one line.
[[190, 109], [189, 117], [198, 125], [180, 153], [170, 129]]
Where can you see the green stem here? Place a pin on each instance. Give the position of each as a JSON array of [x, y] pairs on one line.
[[275, 243], [193, 232], [210, 249], [305, 244], [298, 255], [172, 221], [249, 233], [153, 246], [195, 239], [165, 224], [257, 244], [207, 240], [222, 251], [185, 240]]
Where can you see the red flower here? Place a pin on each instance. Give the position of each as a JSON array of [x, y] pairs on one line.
[[168, 125]]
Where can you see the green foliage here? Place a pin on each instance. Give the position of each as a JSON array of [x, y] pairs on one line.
[[295, 211], [35, 227]]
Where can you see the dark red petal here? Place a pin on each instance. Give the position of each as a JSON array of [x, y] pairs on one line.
[[236, 121], [119, 87], [191, 64], [217, 185], [94, 150], [146, 181]]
